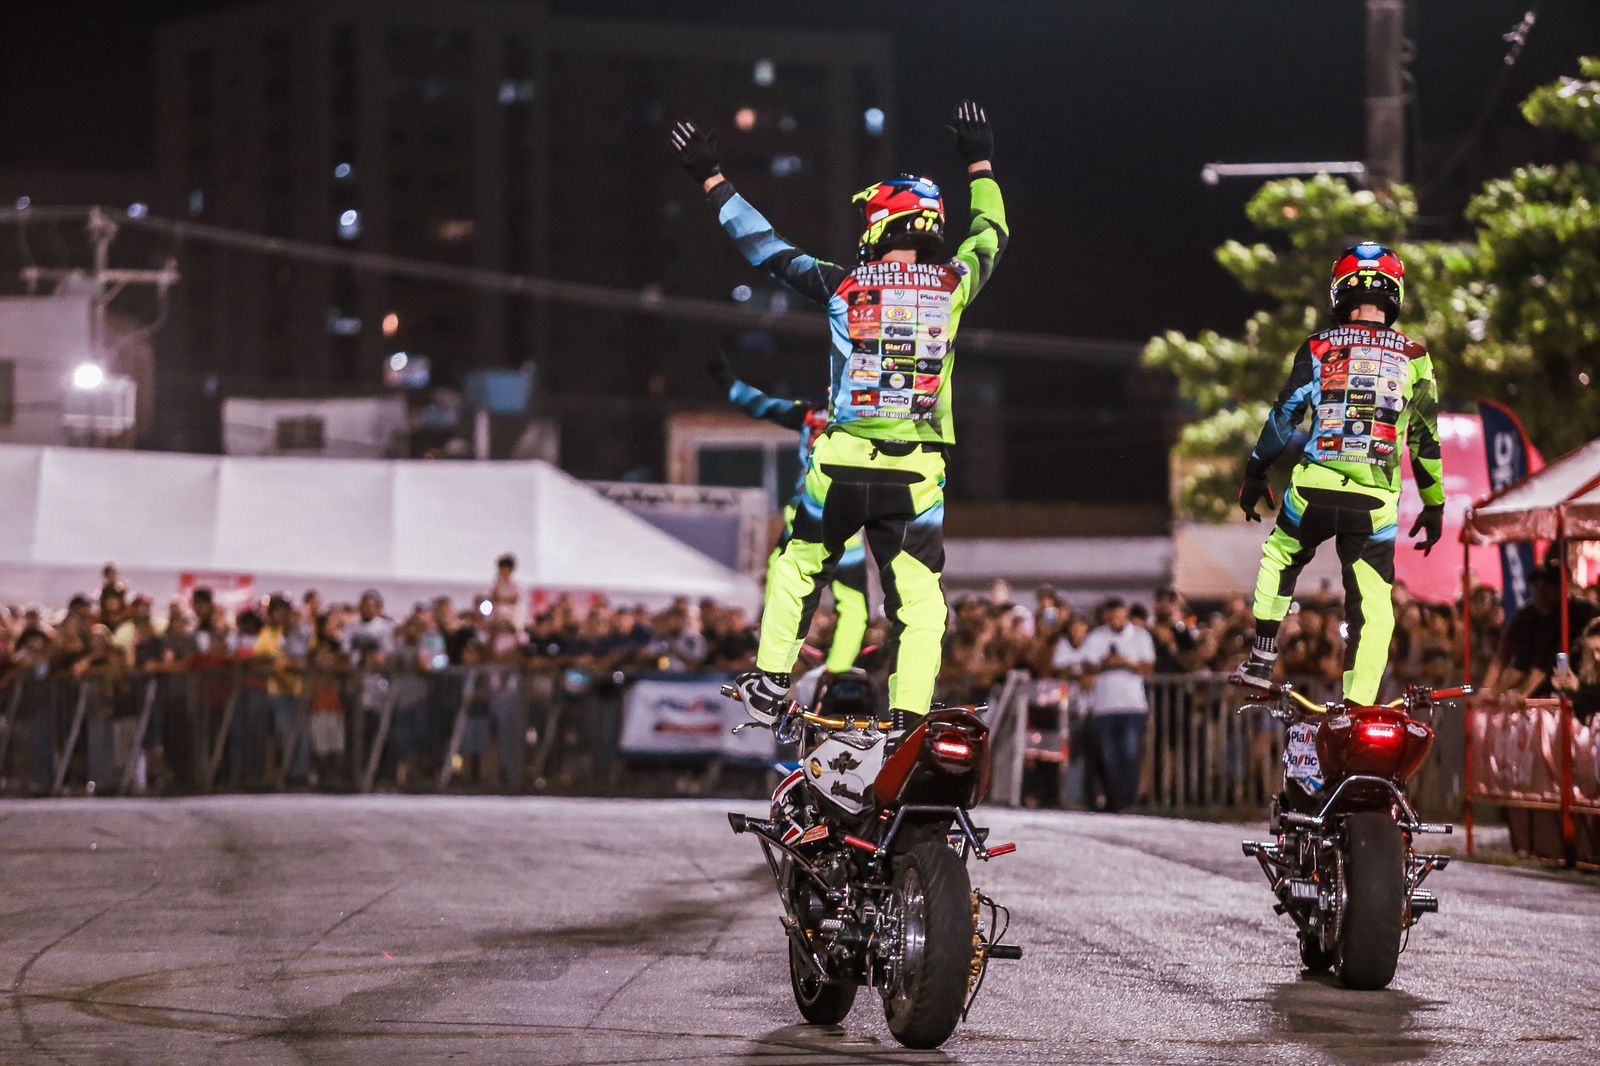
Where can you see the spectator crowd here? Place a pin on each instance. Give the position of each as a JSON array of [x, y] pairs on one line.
[[305, 654]]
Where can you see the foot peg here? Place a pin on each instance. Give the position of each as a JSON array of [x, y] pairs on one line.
[[1424, 902], [1004, 951]]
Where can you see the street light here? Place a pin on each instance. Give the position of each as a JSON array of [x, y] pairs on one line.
[[87, 377], [1212, 173]]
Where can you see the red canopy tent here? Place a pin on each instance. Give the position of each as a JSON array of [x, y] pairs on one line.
[[1560, 503]]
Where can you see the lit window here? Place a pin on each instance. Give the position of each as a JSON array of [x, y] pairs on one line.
[[350, 225], [785, 166], [742, 293], [745, 118], [138, 210], [516, 91], [391, 324], [343, 172], [873, 118], [764, 72]]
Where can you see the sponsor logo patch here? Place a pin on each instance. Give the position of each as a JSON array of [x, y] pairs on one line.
[[899, 348], [864, 346], [1362, 396], [900, 398], [815, 766], [862, 297], [899, 314], [1382, 448], [1328, 444], [927, 383], [900, 364], [1363, 366], [1367, 412], [933, 298], [930, 366], [1382, 432], [933, 333], [1359, 447], [925, 401], [902, 332], [1363, 381], [934, 349], [934, 316], [893, 381], [1357, 428], [863, 377], [864, 314], [900, 297], [861, 331], [864, 398]]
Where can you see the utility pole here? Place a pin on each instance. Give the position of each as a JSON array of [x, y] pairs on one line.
[[1386, 105], [108, 283]]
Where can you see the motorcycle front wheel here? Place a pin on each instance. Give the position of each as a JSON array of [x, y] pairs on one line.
[[1368, 949], [820, 1003], [933, 956]]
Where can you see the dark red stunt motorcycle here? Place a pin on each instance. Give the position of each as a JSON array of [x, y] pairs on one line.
[[1344, 866], [870, 851]]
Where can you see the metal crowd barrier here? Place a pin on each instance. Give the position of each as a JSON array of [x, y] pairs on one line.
[[236, 728], [1541, 767], [1201, 756]]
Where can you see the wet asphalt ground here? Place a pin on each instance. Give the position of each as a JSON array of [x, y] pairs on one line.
[[395, 930]]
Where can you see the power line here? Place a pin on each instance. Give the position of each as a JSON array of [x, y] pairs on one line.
[[648, 301]]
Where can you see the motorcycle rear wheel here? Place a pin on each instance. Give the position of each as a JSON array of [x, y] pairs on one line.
[[820, 1003], [1368, 949], [929, 988]]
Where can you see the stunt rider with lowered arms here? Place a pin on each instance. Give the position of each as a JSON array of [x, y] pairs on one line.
[[850, 575], [1367, 387], [879, 466]]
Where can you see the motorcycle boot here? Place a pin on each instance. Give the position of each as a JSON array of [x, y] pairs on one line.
[[1254, 672], [764, 694], [900, 723]]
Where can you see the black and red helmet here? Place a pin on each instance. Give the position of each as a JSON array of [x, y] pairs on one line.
[[903, 212], [1367, 273]]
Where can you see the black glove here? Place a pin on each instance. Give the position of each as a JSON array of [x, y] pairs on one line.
[[697, 150], [1254, 490], [1431, 523], [970, 130]]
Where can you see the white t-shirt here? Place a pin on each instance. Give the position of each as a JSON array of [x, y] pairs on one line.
[[1118, 691]]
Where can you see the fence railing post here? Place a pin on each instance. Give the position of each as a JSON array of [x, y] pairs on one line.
[[447, 768], [220, 744], [375, 754], [131, 766], [64, 757], [13, 705]]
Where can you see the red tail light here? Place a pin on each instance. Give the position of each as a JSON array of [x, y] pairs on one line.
[[1380, 732], [956, 750]]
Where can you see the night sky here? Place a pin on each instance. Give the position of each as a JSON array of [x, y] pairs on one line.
[[1104, 110]]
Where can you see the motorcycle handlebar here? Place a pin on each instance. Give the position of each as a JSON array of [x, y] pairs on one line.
[[1452, 693]]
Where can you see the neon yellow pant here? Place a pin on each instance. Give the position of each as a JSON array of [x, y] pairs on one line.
[[894, 494], [849, 596], [1362, 525]]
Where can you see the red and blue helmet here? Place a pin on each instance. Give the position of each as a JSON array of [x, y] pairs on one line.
[[1367, 273], [903, 212]]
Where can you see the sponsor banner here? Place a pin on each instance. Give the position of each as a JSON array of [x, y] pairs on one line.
[[231, 592], [689, 717], [1506, 447]]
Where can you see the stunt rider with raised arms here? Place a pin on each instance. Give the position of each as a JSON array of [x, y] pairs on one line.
[[880, 464], [1367, 387]]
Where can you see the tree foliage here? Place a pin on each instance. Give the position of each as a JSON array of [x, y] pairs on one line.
[[1511, 313]]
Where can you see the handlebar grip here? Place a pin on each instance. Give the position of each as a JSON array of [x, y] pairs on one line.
[[1452, 693], [731, 693]]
